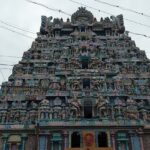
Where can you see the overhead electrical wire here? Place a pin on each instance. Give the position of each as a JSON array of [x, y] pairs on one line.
[[53, 9], [123, 8], [3, 27], [6, 65], [135, 22], [6, 61], [147, 36], [13, 26], [79, 3], [105, 12], [61, 11], [10, 56], [6, 68], [139, 34]]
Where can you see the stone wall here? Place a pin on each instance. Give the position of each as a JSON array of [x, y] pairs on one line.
[[30, 143], [1, 143], [146, 140]]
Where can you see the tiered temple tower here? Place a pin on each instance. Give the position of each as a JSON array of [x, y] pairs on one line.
[[83, 85]]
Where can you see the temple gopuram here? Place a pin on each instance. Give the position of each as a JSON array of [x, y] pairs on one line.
[[83, 85]]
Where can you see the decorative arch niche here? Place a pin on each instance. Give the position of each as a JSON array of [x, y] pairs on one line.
[[102, 139], [88, 109], [75, 140]]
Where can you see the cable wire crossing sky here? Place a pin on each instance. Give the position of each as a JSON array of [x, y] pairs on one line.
[[20, 21]]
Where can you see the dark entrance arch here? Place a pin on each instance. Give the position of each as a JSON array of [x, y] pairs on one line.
[[102, 139], [75, 139], [88, 109]]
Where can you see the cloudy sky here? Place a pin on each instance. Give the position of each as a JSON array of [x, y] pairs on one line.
[[27, 16]]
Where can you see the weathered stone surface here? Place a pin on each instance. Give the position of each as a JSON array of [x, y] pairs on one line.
[[146, 139]]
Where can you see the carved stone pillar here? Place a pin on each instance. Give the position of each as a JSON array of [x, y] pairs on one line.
[[66, 135], [141, 140], [10, 145], [37, 127], [49, 142], [108, 139], [51, 147], [131, 140], [5, 137], [113, 140], [81, 139], [118, 145], [23, 144], [96, 138], [1, 141], [42, 141], [60, 143], [4, 144], [18, 144], [70, 139], [135, 142], [24, 137]]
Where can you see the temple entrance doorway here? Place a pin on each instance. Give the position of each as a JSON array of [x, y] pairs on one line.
[[75, 140], [102, 139]]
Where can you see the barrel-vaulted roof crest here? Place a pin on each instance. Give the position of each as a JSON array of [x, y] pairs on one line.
[[82, 15]]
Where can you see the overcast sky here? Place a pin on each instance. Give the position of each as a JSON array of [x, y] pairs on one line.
[[28, 16]]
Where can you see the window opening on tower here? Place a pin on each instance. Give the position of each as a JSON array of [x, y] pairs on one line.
[[86, 84], [88, 109]]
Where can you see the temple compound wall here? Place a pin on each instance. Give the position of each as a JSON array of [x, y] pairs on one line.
[[72, 139]]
